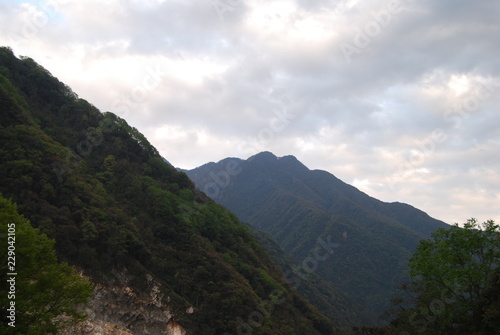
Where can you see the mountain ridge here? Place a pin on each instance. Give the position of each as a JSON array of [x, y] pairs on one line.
[[282, 197]]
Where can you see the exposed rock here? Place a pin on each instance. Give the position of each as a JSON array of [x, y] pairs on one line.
[[120, 310], [174, 328], [95, 327]]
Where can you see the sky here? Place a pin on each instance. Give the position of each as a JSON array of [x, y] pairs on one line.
[[399, 98]]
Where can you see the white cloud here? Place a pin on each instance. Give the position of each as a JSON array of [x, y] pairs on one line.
[[412, 117]]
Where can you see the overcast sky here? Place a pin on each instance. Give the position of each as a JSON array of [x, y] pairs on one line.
[[398, 98]]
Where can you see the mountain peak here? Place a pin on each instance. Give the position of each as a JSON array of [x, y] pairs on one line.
[[290, 159], [264, 155], [271, 160]]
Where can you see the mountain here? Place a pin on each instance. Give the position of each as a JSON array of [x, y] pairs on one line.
[[165, 258], [302, 209]]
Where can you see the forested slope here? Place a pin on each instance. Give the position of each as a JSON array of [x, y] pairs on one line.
[[298, 206], [117, 210]]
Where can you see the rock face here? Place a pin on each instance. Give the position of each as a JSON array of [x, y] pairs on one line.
[[174, 328], [120, 310], [96, 328]]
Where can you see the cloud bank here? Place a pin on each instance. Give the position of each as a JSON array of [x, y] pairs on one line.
[[399, 98]]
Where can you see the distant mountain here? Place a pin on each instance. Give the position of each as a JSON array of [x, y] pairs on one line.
[[304, 208], [165, 258]]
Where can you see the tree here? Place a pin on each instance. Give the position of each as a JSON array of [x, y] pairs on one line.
[[43, 291], [490, 306], [452, 274]]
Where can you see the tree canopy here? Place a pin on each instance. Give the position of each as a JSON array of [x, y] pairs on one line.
[[455, 281], [45, 292]]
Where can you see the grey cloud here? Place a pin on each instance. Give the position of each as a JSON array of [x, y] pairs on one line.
[[361, 120]]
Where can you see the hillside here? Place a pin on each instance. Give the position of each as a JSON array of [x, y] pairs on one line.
[[164, 256], [329, 300], [298, 207]]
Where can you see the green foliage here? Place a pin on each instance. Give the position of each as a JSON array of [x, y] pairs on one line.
[[454, 276], [46, 291], [109, 163], [489, 305]]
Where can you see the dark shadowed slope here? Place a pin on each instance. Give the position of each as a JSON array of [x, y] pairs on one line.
[[298, 206]]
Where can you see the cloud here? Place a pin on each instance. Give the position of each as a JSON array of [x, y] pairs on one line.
[[408, 113]]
